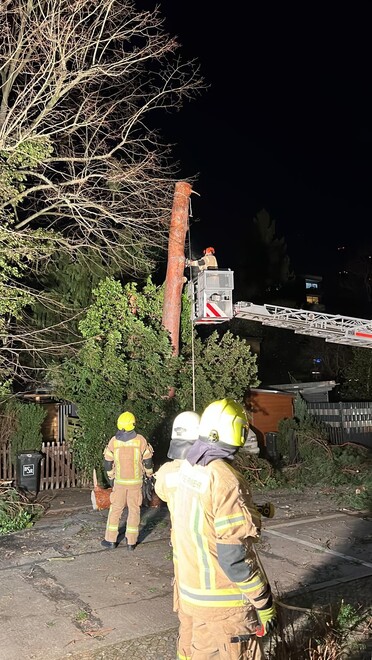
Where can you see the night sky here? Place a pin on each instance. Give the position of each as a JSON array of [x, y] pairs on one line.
[[286, 124]]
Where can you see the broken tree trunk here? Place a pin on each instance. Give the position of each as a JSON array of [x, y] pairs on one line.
[[174, 279]]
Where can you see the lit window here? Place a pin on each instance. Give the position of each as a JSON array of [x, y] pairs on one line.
[[312, 300]]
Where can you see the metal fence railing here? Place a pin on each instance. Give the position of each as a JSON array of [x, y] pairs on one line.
[[347, 421]]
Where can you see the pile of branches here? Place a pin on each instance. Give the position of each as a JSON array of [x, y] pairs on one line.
[[256, 470], [16, 511], [337, 632]]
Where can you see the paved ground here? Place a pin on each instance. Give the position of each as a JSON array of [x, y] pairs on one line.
[[64, 597]]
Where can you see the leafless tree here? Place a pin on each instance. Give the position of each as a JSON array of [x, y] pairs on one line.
[[82, 82]]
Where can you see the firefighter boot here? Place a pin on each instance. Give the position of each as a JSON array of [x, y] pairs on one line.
[[108, 545]]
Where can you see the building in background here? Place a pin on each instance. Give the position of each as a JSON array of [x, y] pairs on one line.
[[314, 292]]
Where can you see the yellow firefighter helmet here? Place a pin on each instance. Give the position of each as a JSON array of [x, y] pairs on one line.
[[126, 421], [225, 423]]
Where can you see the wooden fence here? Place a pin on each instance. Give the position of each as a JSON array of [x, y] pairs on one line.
[[57, 467], [346, 421]]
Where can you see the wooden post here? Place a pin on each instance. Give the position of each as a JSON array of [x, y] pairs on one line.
[[176, 262]]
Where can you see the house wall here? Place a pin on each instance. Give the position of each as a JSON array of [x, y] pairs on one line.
[[266, 408]]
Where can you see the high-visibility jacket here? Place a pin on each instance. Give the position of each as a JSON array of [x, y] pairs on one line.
[[214, 524], [208, 261], [129, 460], [166, 482]]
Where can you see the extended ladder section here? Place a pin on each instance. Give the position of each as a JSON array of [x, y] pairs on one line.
[[212, 295], [330, 327]]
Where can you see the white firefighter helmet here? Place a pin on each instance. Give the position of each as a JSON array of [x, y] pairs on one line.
[[185, 431], [224, 422]]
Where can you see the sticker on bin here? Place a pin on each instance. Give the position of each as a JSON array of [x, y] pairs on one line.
[[28, 470]]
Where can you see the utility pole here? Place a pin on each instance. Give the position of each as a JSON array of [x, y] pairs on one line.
[[176, 262]]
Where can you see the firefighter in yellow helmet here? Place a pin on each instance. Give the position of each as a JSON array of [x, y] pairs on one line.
[[185, 431], [215, 523], [127, 457], [207, 262]]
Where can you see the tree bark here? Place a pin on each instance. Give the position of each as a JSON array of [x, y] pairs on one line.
[[176, 262]]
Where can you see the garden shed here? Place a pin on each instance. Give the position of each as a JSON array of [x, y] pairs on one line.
[[266, 409]]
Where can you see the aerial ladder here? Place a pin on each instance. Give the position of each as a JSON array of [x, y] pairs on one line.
[[212, 295]]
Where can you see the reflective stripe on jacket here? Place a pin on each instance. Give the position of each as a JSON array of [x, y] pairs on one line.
[[214, 520], [128, 459], [207, 261]]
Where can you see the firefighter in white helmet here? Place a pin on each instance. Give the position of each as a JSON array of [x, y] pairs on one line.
[[185, 431], [215, 523], [128, 457]]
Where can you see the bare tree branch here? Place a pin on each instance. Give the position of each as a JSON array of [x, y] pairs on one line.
[[81, 161]]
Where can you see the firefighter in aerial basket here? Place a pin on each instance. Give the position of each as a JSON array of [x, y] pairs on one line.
[[215, 523], [185, 431], [207, 262], [127, 457]]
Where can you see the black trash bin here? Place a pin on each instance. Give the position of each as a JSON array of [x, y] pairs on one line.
[[29, 471], [271, 442]]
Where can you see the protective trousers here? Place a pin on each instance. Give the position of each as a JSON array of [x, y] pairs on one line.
[[219, 639], [185, 628], [121, 497]]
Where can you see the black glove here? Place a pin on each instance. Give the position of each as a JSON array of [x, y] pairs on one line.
[[110, 471], [148, 488]]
